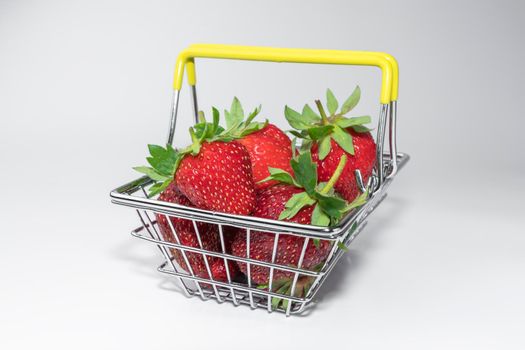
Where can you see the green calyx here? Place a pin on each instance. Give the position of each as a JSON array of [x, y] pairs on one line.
[[329, 207], [165, 161], [324, 127]]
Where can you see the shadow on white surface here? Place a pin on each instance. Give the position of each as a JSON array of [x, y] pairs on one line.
[[339, 283]]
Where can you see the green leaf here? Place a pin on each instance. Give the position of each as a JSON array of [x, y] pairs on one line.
[[306, 145], [158, 187], [319, 132], [281, 176], [236, 114], [351, 101], [295, 119], [196, 144], [347, 122], [331, 102], [324, 147], [341, 246], [285, 304], [298, 134], [156, 151], [305, 171], [309, 116], [297, 202], [361, 128], [319, 218], [201, 117], [252, 115], [150, 172], [164, 161], [359, 201], [216, 117], [343, 139], [316, 241], [332, 206], [284, 290], [253, 127]]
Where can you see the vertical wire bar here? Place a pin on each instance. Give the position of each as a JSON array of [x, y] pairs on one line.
[[318, 278], [270, 279], [173, 115], [380, 144], [206, 261], [392, 133], [249, 267], [163, 250], [296, 276], [194, 103], [184, 256], [227, 266]]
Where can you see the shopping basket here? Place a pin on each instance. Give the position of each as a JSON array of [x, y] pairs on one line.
[[244, 291]]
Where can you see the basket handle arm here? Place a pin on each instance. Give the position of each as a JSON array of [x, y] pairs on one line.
[[385, 62]]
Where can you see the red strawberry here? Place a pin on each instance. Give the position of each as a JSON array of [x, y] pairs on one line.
[[186, 234], [214, 172], [218, 178], [270, 204], [268, 147], [334, 135], [218, 270], [363, 159]]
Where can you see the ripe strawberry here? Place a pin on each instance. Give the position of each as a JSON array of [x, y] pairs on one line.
[[331, 137], [218, 178], [302, 200], [186, 234], [214, 172], [268, 147], [270, 204], [364, 159]]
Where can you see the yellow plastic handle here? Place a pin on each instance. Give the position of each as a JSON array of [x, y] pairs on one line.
[[385, 62], [395, 68]]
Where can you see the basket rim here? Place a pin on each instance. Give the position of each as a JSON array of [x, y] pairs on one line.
[[123, 195]]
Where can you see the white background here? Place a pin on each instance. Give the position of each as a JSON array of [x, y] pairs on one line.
[[85, 85]]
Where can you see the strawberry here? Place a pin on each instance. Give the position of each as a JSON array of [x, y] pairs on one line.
[[218, 178], [215, 171], [299, 199], [331, 137], [363, 159], [270, 203], [268, 147], [186, 234]]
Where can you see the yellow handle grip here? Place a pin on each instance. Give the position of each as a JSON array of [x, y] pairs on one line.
[[190, 69], [383, 61]]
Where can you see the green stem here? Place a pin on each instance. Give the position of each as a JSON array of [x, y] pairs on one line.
[[335, 176], [322, 112]]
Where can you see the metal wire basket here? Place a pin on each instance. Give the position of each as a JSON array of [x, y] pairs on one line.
[[243, 291]]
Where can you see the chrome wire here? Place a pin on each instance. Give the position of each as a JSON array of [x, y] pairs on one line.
[[296, 275], [393, 139], [194, 103], [173, 115], [248, 267], [270, 278], [163, 250], [184, 256], [227, 266], [210, 275]]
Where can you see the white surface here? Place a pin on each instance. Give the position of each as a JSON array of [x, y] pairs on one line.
[[84, 86]]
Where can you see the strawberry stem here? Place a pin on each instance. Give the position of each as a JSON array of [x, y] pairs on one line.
[[335, 176], [322, 112]]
